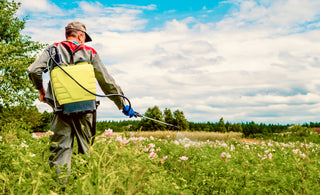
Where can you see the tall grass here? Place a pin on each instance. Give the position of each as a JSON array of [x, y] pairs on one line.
[[162, 163], [192, 135]]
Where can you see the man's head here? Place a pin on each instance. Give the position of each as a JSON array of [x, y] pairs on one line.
[[77, 31]]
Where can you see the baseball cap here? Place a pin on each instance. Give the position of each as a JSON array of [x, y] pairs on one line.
[[79, 26]]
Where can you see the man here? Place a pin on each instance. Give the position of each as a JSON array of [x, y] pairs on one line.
[[81, 125]]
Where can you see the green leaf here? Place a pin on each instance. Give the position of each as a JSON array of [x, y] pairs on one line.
[[16, 54]]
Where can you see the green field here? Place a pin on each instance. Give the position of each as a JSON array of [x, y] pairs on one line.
[[163, 163]]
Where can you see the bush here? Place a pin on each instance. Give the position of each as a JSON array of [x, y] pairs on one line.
[[296, 133], [14, 131], [28, 118]]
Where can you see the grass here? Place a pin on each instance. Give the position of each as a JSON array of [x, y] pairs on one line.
[[163, 163], [195, 136]]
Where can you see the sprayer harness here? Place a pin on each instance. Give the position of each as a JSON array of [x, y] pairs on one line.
[[55, 61]]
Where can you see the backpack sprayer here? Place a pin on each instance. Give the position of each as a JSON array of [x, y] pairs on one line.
[[83, 101]]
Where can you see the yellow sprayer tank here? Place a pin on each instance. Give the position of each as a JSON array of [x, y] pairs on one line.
[[67, 90]]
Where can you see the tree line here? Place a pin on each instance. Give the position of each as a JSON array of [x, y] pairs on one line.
[[30, 119], [177, 118]]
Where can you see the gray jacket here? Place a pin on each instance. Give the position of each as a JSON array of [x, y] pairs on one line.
[[85, 53]]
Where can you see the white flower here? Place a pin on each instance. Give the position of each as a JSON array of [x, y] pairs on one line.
[[108, 132], [151, 145], [232, 148], [153, 155], [118, 138], [124, 141], [224, 145], [187, 145], [0, 138], [183, 158], [225, 155], [295, 151], [23, 145]]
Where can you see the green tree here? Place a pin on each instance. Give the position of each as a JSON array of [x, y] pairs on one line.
[[180, 120], [154, 113], [28, 117], [222, 126], [168, 118], [16, 54], [228, 126], [250, 129], [237, 127]]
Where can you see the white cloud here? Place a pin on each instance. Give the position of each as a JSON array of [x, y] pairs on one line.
[[258, 63], [136, 7], [278, 17], [116, 18], [98, 19], [35, 6], [91, 8]]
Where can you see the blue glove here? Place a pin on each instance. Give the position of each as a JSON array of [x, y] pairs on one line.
[[128, 112]]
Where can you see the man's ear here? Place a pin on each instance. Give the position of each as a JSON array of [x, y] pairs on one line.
[[81, 37]]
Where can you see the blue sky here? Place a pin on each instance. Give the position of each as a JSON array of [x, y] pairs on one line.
[[243, 60]]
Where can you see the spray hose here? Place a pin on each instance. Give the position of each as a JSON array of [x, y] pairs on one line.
[[99, 95]]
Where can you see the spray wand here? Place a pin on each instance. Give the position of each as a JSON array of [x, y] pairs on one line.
[[142, 116]]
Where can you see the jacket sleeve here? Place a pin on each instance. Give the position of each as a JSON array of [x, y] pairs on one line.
[[36, 68], [106, 82]]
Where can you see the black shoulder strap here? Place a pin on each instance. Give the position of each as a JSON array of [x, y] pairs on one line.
[[70, 52]]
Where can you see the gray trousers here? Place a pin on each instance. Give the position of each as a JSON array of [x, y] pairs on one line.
[[65, 128]]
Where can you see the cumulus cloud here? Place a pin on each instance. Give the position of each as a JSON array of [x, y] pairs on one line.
[[36, 6], [283, 16], [259, 62], [98, 18]]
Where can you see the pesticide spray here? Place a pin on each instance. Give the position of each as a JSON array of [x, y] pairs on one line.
[[142, 116]]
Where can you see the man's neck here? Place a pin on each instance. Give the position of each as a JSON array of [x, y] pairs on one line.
[[73, 40]]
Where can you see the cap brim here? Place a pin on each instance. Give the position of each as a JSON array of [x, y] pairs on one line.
[[88, 38]]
